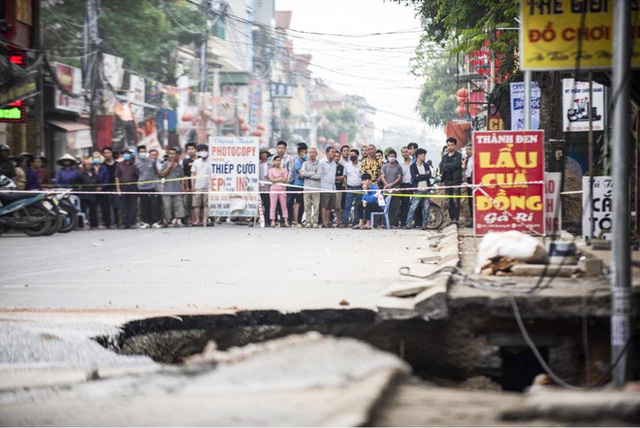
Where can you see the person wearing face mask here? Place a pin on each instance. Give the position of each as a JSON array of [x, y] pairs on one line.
[[126, 184], [200, 170], [148, 182], [102, 174], [391, 178]]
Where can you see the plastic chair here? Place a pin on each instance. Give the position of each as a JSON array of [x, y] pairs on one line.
[[385, 212], [82, 217]]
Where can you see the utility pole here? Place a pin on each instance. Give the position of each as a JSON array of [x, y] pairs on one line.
[[203, 48], [92, 63], [621, 332]]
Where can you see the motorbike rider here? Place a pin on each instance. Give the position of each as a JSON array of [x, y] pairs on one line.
[[7, 167]]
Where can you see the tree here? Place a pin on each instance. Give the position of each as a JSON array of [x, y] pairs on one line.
[[335, 122], [464, 25], [437, 102], [145, 34]]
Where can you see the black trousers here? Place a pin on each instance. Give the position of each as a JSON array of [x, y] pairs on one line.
[[90, 207], [372, 208], [454, 203], [266, 205], [106, 206], [150, 207], [404, 204], [470, 200], [128, 203]]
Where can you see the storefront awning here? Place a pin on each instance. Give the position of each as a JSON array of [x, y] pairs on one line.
[[76, 135]]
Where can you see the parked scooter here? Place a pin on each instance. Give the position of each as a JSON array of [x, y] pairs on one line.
[[23, 212], [64, 211]]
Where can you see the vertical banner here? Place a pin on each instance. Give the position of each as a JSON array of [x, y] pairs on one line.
[[517, 105], [505, 164], [553, 204], [576, 106], [602, 207], [136, 95], [234, 176]]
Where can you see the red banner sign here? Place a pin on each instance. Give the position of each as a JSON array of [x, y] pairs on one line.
[[506, 163]]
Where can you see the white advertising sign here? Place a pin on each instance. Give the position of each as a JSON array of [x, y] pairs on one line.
[[602, 207], [517, 105], [70, 78], [552, 204], [234, 176], [136, 95], [576, 105]]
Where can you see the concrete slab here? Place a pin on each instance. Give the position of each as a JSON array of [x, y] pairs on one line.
[[328, 382]]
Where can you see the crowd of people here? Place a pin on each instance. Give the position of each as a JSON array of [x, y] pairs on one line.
[[139, 189]]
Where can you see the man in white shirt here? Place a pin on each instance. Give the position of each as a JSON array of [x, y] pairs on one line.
[[405, 184], [311, 175], [327, 170], [354, 184], [200, 173]]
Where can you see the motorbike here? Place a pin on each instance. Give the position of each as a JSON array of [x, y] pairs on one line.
[[64, 211], [23, 212]]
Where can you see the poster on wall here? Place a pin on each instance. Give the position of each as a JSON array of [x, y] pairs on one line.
[[576, 106], [234, 176], [70, 78], [517, 105], [509, 167], [602, 207]]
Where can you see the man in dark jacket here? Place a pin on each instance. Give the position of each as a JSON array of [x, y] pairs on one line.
[[421, 180], [451, 171]]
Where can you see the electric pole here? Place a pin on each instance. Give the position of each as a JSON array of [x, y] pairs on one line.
[[92, 64], [621, 331]]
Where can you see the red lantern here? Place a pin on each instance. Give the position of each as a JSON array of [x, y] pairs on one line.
[[257, 133], [331, 141], [241, 119], [461, 110], [460, 100], [244, 127], [463, 93], [187, 116], [261, 127], [219, 120], [321, 140]]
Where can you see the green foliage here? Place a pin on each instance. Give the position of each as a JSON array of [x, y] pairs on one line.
[[464, 25], [437, 102], [337, 121], [145, 33]]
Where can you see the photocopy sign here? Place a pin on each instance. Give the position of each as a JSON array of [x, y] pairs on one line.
[[517, 105], [602, 207], [576, 106], [505, 164], [234, 176], [571, 34]]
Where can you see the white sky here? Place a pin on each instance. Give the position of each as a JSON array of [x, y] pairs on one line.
[[375, 67]]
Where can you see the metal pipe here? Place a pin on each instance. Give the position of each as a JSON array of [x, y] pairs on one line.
[[592, 223], [621, 257]]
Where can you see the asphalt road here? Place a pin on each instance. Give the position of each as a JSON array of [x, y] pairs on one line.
[[228, 267]]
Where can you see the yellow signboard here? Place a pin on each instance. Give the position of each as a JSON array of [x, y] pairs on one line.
[[571, 34]]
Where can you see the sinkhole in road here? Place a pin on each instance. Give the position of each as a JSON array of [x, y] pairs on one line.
[[452, 352]]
